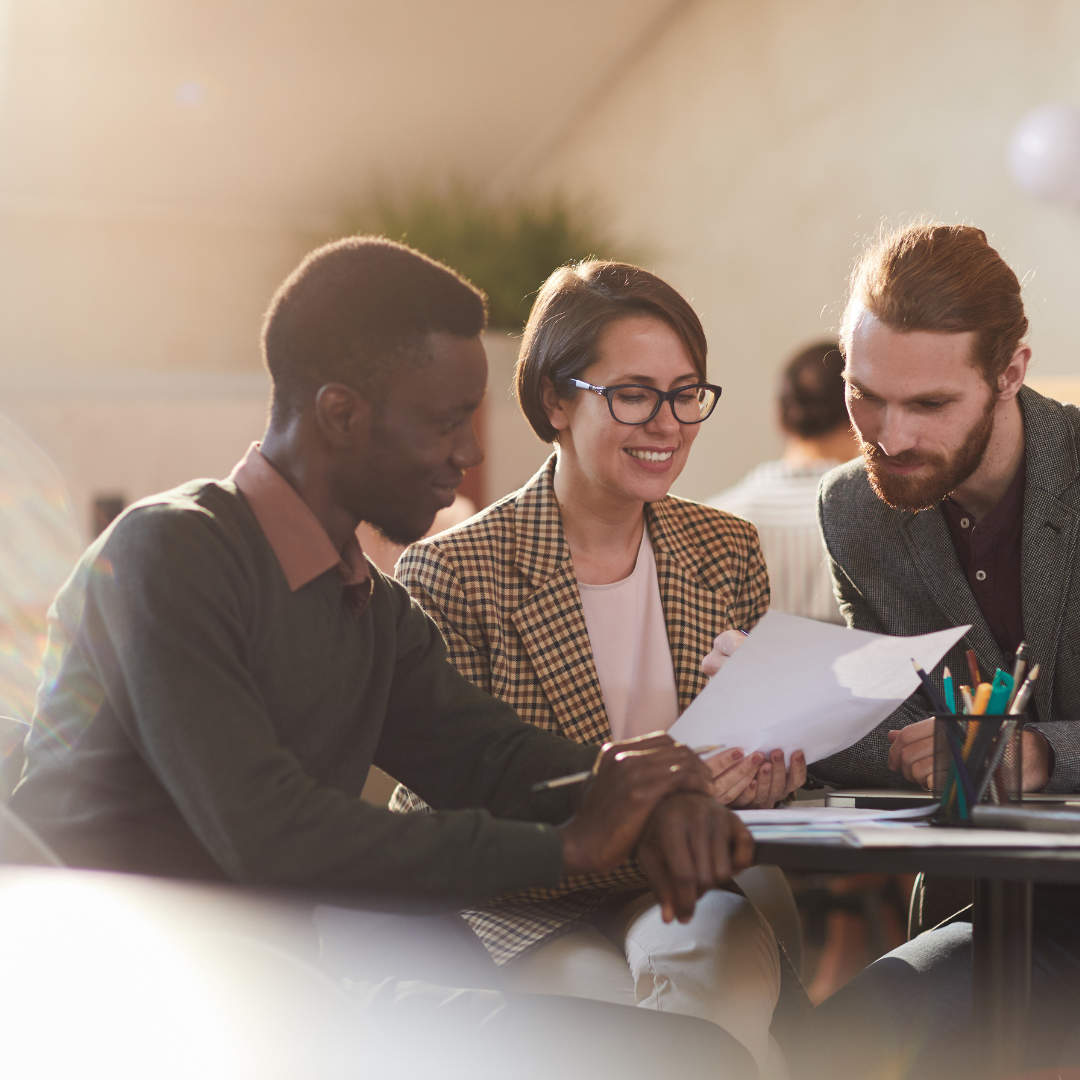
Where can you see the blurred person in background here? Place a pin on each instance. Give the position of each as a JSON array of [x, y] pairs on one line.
[[39, 546], [588, 600], [224, 666], [780, 497]]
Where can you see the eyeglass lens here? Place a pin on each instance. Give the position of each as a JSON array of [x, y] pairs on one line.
[[636, 404]]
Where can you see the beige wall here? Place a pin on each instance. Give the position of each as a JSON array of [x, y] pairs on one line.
[[134, 434], [513, 452], [756, 144], [747, 147], [164, 164]]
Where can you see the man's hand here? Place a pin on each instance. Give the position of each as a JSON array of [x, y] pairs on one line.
[[724, 647], [630, 778], [1035, 761], [913, 751], [689, 845]]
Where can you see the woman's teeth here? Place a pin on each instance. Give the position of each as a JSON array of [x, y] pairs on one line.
[[651, 455]]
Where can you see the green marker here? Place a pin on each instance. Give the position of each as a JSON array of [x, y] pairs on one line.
[[1001, 691]]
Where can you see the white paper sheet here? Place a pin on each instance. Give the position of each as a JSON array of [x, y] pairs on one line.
[[925, 836], [798, 684], [831, 815]]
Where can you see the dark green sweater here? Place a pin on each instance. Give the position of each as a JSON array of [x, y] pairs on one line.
[[199, 719]]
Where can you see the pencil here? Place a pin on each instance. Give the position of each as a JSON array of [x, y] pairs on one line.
[[587, 774], [973, 668], [950, 692], [930, 689], [969, 704]]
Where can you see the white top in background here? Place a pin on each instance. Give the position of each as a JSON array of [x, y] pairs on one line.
[[630, 649], [780, 498]]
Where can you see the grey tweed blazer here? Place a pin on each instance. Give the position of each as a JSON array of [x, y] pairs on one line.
[[896, 572]]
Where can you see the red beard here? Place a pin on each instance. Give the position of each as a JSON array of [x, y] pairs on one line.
[[940, 475]]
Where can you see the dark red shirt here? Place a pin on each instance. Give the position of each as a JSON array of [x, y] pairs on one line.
[[989, 555]]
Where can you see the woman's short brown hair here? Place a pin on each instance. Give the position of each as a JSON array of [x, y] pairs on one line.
[[571, 311], [942, 278]]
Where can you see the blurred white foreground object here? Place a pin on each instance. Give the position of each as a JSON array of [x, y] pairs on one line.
[[41, 545], [1044, 153]]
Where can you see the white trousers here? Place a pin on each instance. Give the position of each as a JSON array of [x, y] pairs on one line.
[[722, 966]]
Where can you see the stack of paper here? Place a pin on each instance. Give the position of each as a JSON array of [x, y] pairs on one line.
[[925, 836], [888, 828], [824, 823]]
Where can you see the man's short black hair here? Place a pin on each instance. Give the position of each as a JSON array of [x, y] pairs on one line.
[[355, 312]]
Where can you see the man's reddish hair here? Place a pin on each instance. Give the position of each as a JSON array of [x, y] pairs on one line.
[[945, 279]]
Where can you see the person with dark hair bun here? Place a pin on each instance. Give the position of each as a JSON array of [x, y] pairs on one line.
[[780, 497]]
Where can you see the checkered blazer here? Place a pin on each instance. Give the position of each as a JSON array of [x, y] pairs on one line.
[[502, 589], [896, 572]]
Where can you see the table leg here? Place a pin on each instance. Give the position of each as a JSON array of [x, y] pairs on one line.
[[1001, 969]]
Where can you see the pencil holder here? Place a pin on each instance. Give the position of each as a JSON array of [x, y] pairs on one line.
[[976, 760]]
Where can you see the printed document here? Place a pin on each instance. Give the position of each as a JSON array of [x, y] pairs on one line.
[[798, 684]]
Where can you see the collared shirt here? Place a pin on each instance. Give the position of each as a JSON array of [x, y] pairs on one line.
[[989, 555], [295, 534]]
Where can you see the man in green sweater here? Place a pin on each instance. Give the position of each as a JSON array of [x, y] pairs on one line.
[[224, 666]]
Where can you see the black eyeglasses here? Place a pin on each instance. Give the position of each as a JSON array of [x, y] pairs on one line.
[[639, 404]]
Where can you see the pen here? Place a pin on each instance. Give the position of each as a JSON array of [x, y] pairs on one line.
[[586, 774], [1000, 694], [1019, 665], [1020, 701]]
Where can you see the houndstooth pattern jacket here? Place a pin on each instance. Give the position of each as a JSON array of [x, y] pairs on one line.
[[502, 589], [896, 572]]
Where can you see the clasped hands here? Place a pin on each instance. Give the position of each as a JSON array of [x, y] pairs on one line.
[[652, 797]]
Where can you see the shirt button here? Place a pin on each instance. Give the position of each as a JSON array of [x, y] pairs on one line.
[[980, 575], [965, 522]]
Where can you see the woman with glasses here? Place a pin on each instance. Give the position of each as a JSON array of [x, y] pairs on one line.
[[591, 600]]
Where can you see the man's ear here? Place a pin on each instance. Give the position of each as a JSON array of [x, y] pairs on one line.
[[1012, 378], [553, 405], [343, 414]]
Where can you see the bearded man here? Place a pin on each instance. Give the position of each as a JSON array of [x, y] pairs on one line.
[[965, 508]]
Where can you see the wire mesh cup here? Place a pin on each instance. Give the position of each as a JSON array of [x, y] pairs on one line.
[[976, 760]]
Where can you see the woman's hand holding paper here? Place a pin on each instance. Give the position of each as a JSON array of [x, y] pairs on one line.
[[755, 781], [724, 647]]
